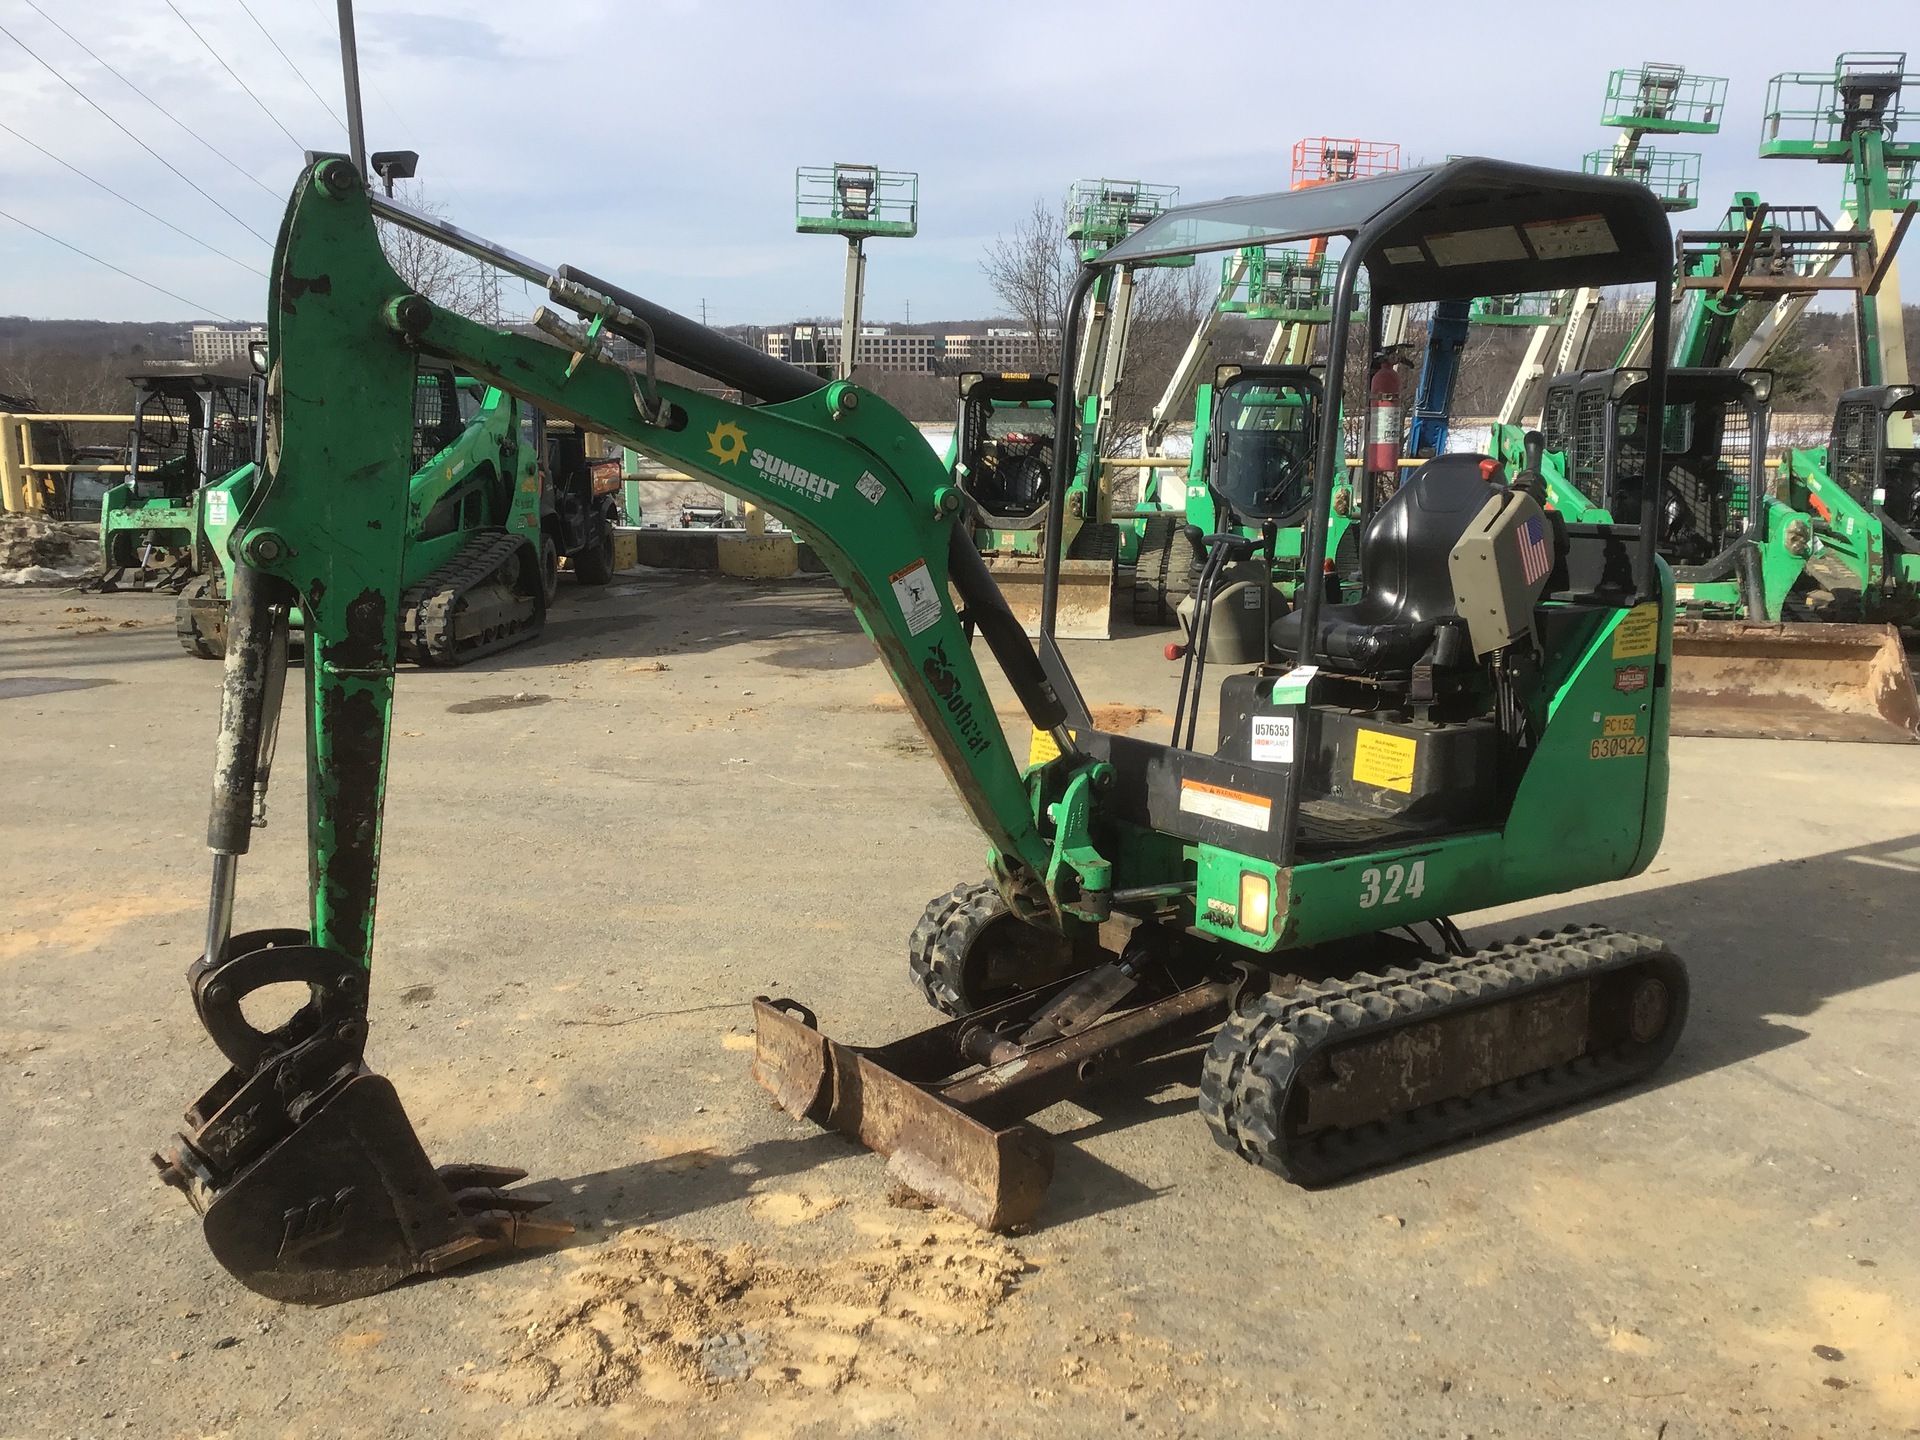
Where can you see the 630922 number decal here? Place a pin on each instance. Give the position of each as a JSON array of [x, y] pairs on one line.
[[1391, 885]]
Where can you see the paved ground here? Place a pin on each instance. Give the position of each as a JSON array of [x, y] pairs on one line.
[[696, 791]]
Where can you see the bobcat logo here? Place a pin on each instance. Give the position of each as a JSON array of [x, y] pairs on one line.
[[939, 672], [321, 1219], [946, 687]]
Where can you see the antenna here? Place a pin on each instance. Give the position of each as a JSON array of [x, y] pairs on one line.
[[350, 72]]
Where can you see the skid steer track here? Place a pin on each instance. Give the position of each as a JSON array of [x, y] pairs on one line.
[[1334, 1078], [475, 604]]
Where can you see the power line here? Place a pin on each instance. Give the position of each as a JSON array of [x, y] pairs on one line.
[[135, 138], [203, 309], [134, 203], [205, 143], [290, 65], [236, 79]]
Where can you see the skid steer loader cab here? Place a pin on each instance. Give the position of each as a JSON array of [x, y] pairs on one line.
[[1714, 442], [1874, 452], [1260, 443], [1003, 448], [189, 431]]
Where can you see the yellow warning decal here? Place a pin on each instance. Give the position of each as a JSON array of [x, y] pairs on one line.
[[1618, 725], [1617, 747], [1638, 633], [1041, 749], [1385, 760]]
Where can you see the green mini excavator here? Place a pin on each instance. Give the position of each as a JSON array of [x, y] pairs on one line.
[[1485, 723]]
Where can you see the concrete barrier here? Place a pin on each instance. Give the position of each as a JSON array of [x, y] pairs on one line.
[[726, 552]]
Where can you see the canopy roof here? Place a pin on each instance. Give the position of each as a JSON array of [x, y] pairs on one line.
[[1469, 227]]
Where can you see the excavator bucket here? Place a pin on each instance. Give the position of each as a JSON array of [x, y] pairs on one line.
[[1086, 594], [312, 1185], [1751, 680]]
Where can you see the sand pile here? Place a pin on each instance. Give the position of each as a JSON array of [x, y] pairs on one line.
[[34, 551], [654, 1319]]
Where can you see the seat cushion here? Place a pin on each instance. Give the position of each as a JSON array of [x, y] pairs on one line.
[[1405, 565], [1353, 645]]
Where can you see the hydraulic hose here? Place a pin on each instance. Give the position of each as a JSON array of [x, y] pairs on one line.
[[1001, 629]]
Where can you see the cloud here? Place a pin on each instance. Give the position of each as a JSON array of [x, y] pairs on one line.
[[656, 143]]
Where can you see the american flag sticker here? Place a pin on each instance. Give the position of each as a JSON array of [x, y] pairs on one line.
[[1536, 557]]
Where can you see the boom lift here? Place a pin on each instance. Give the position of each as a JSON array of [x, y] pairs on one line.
[[1651, 99], [1486, 724]]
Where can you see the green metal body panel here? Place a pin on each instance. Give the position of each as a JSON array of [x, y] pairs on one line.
[[856, 481], [1848, 532], [1581, 817]]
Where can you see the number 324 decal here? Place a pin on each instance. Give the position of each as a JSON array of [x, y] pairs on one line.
[[1394, 884]]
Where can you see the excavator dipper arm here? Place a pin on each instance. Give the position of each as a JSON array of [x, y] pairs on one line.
[[312, 1183]]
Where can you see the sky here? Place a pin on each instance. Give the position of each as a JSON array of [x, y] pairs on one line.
[[655, 141]]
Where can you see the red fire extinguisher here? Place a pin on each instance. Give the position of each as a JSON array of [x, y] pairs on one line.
[[1383, 421]]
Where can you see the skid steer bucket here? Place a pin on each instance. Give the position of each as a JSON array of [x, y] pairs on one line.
[[1086, 594], [1759, 681]]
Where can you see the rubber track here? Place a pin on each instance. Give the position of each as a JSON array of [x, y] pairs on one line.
[[937, 949], [1150, 573], [1258, 1054], [427, 609]]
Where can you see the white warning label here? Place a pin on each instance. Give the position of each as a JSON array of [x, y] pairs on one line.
[[919, 601], [1477, 247], [217, 507], [1569, 239]]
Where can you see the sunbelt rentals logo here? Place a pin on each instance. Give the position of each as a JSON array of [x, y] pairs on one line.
[[794, 477]]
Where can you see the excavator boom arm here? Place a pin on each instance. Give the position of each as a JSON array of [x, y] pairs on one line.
[[842, 469]]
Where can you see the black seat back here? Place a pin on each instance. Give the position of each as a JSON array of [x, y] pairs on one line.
[[1404, 553]]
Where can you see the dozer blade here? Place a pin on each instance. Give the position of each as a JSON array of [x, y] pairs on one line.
[[1085, 610], [1751, 680], [946, 1105]]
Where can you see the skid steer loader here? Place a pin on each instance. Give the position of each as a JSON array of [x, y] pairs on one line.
[[1486, 723], [191, 432], [1001, 460], [497, 499], [1752, 656]]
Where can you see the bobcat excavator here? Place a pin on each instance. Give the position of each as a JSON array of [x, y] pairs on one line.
[[1486, 723]]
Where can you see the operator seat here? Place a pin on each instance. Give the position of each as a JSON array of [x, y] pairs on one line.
[[1404, 565]]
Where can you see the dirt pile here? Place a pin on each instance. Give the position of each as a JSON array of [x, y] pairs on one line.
[[34, 551], [655, 1319]]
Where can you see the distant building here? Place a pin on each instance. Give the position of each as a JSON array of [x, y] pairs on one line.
[[218, 344], [894, 348]]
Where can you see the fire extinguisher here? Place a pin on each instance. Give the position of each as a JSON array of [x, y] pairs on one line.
[[1383, 421]]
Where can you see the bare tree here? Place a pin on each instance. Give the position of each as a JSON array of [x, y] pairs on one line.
[[1031, 274], [449, 279]]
